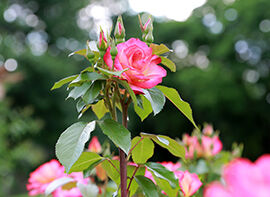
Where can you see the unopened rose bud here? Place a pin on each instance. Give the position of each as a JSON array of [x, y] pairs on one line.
[[94, 145], [113, 50], [102, 45], [147, 26], [147, 30], [119, 32]]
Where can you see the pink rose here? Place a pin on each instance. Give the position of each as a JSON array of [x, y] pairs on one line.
[[211, 145], [244, 179], [143, 71], [43, 176], [189, 183], [47, 173]]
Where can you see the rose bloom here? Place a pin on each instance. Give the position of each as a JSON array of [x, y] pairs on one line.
[[243, 179], [143, 71], [47, 173], [189, 183], [43, 176]]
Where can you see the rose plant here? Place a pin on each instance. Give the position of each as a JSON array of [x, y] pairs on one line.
[[120, 73]]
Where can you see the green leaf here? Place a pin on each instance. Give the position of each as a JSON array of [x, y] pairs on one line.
[[109, 72], [117, 133], [86, 77], [143, 149], [148, 187], [77, 92], [166, 142], [79, 52], [156, 98], [62, 82], [71, 143], [92, 93], [87, 172], [128, 88], [56, 184], [168, 63], [162, 172], [175, 98], [159, 49], [111, 171], [147, 108], [134, 185], [100, 109], [85, 160], [165, 186], [83, 52], [80, 105]]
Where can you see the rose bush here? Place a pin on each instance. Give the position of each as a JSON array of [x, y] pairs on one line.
[[143, 71]]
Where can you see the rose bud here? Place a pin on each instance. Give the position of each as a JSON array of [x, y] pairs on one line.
[[119, 32], [102, 45], [147, 30], [94, 145]]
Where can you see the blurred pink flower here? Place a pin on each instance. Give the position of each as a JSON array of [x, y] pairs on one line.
[[94, 145], [171, 166], [208, 130], [43, 176], [47, 173], [211, 145], [143, 71], [244, 179], [191, 146], [189, 183]]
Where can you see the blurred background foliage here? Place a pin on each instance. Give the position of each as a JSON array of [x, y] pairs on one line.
[[223, 60]]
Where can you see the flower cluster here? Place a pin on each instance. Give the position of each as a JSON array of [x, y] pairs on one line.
[[188, 182], [243, 179], [206, 145], [47, 173]]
